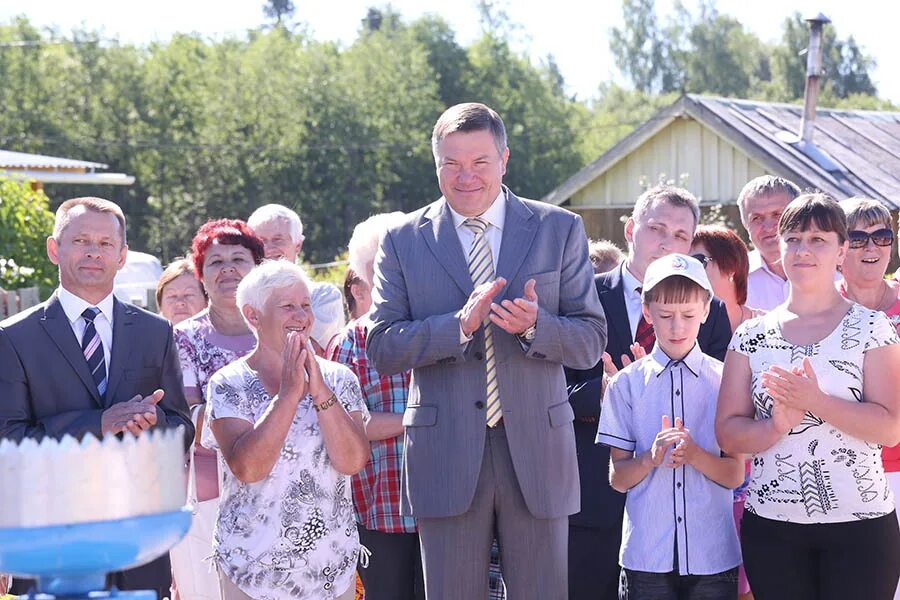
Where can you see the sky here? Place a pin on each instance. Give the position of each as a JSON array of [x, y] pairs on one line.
[[575, 32]]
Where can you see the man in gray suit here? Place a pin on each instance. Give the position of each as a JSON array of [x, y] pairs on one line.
[[485, 296], [85, 363]]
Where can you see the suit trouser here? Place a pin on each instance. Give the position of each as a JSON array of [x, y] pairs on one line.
[[456, 550], [594, 562]]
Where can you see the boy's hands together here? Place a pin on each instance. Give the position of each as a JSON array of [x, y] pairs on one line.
[[677, 437]]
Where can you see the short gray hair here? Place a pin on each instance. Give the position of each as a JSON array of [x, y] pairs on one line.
[[763, 186], [91, 203], [469, 116], [256, 286], [366, 237], [274, 212], [864, 212], [669, 194]]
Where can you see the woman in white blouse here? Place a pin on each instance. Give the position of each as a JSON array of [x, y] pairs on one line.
[[810, 389], [290, 428]]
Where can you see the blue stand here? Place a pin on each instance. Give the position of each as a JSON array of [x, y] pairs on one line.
[[71, 561]]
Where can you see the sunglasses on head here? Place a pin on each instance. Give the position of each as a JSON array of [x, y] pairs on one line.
[[704, 259], [860, 239]]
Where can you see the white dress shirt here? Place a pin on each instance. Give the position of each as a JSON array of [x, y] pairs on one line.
[[73, 306], [495, 216], [633, 300]]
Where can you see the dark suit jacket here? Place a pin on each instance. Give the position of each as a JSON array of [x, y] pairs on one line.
[[47, 390], [601, 506]]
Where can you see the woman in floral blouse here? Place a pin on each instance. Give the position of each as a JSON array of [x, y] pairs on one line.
[[290, 428], [810, 389], [224, 251]]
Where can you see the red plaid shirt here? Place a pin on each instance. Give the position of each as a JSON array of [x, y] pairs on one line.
[[376, 489]]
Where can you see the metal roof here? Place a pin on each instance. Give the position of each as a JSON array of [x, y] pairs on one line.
[[21, 160], [853, 152]]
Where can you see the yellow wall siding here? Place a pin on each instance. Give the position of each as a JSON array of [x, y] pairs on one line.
[[715, 169]]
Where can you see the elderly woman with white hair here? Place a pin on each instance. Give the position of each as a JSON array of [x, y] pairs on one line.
[[290, 428]]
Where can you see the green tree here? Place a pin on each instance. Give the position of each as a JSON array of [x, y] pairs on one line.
[[27, 221]]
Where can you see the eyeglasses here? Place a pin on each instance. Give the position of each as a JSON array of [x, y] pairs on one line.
[[704, 259], [860, 239]]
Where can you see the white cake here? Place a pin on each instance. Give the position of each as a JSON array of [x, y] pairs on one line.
[[66, 481]]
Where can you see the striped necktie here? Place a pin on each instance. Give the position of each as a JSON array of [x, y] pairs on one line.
[[481, 268], [92, 348]]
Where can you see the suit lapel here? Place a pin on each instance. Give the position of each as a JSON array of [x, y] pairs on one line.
[[123, 320], [613, 300], [57, 326], [519, 230], [442, 239]]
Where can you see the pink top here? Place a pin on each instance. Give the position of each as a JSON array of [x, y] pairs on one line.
[[202, 351]]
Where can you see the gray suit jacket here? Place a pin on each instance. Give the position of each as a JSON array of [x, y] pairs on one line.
[[421, 283], [47, 390]]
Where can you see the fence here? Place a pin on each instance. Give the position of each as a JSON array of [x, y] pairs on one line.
[[15, 301]]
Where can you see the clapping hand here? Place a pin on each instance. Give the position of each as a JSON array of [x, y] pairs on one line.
[[135, 415], [798, 388], [610, 368], [667, 437], [317, 386], [293, 362], [478, 306], [685, 450], [515, 316]]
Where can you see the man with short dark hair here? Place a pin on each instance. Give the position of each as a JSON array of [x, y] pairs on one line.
[[662, 223], [485, 296], [84, 363]]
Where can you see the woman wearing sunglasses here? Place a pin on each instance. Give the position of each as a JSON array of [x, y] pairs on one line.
[[871, 237]]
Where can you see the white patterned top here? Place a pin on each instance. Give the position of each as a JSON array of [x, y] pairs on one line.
[[817, 473], [291, 535]]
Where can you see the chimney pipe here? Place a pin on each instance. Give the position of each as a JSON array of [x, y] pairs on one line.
[[813, 73]]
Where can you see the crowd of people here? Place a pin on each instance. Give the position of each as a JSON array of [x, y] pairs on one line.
[[511, 410]]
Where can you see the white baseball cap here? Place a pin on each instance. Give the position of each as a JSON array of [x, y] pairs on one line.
[[676, 264]]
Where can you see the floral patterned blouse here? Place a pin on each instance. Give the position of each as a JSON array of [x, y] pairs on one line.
[[202, 351], [817, 473], [291, 535]]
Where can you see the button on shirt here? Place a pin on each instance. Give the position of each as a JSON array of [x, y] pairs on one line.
[[671, 508], [73, 306]]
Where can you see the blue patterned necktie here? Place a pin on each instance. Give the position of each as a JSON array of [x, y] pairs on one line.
[[481, 268], [92, 347]]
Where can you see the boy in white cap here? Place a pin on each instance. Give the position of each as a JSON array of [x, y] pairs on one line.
[[658, 417]]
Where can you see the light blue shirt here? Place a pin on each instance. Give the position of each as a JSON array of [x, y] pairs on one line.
[[675, 519]]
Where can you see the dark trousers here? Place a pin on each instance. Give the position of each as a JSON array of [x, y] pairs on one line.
[[395, 566], [829, 561], [640, 585], [594, 562]]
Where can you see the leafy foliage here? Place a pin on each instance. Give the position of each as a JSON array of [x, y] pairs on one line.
[[27, 221]]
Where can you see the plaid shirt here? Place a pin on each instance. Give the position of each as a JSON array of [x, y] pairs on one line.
[[376, 489]]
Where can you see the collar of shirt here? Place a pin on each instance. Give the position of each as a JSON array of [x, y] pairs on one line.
[[662, 361], [73, 306], [495, 215], [631, 282]]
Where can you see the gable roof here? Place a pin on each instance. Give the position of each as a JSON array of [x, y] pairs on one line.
[[21, 160], [853, 153]]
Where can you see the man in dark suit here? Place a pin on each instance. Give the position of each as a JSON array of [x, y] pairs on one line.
[[662, 223], [485, 296], [85, 363]]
